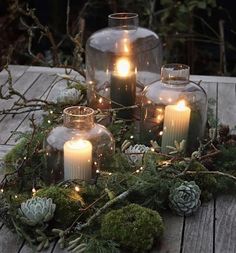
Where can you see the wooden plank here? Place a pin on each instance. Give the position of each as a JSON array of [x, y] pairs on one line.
[[27, 249], [213, 79], [225, 224], [21, 85], [10, 123], [210, 89], [227, 104], [16, 72], [51, 95], [199, 230], [70, 72], [9, 242], [4, 149], [171, 241], [24, 125]]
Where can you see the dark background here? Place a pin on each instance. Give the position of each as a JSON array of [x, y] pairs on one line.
[[187, 37]]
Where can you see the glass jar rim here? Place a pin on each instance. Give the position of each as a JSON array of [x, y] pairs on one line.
[[123, 15], [81, 111], [176, 66]]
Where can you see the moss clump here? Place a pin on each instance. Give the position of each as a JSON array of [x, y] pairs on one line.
[[207, 183], [133, 227], [68, 202]]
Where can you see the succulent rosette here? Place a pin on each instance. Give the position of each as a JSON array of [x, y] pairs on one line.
[[185, 198], [36, 211], [135, 153], [69, 96]]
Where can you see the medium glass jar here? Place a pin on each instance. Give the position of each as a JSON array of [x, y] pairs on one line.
[[173, 109], [120, 61], [76, 149]]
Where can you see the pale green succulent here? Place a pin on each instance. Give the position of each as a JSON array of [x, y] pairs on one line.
[[135, 153], [36, 211], [179, 148], [185, 198]]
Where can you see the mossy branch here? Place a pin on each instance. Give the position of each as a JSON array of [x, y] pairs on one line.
[[118, 198], [217, 173]]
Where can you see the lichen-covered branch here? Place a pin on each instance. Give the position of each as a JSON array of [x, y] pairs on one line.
[[118, 198]]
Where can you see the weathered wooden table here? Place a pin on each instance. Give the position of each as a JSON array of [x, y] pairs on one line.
[[211, 230]]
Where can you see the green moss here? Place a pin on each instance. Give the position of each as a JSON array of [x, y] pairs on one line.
[[17, 152], [68, 202], [226, 160], [207, 183], [133, 226]]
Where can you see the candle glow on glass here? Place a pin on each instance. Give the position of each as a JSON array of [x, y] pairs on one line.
[[176, 124], [123, 67], [78, 159]]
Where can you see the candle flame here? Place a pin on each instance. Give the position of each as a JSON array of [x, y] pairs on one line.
[[123, 67], [181, 105], [78, 144]]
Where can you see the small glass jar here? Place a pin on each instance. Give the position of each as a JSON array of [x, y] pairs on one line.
[[173, 109], [76, 149], [120, 61]]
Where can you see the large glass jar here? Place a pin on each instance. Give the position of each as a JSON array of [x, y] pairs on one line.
[[173, 109], [76, 149], [120, 61]]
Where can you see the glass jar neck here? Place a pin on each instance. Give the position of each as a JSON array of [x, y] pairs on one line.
[[123, 20], [79, 117], [175, 74]]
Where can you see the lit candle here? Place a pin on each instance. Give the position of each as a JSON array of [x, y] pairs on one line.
[[123, 87], [78, 160], [176, 124]]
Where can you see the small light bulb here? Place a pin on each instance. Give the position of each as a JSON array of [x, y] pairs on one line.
[[131, 137], [110, 174], [152, 149], [97, 171], [2, 190], [16, 196], [25, 157], [77, 189], [100, 100], [51, 111], [34, 190], [49, 121], [137, 171]]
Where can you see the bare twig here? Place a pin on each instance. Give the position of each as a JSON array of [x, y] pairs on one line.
[[217, 173], [45, 31]]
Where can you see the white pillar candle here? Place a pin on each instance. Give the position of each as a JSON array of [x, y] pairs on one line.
[[78, 160], [176, 125]]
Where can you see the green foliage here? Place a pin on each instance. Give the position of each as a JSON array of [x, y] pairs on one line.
[[207, 183], [226, 159], [101, 246], [68, 202], [133, 227], [118, 162], [16, 153]]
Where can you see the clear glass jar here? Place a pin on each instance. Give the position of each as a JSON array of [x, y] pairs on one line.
[[76, 149], [120, 61], [173, 109]]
